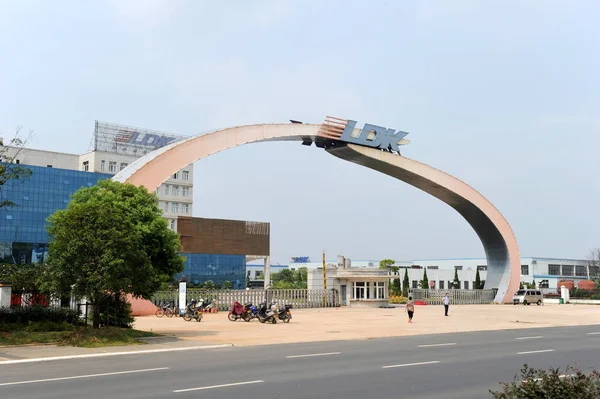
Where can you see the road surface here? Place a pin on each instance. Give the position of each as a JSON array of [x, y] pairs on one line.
[[452, 366]]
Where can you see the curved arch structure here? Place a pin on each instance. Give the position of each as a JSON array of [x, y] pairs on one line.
[[499, 242]]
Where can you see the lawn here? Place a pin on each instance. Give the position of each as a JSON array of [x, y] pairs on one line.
[[68, 335]]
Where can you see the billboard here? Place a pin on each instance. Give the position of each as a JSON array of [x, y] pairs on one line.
[[127, 140]]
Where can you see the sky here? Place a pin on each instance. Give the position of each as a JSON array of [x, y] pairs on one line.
[[501, 94]]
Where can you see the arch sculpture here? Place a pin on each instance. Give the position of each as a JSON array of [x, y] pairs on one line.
[[372, 146]]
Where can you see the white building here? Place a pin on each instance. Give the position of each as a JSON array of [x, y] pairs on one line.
[[114, 148], [546, 272]]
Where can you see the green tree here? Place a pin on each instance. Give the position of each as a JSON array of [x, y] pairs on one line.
[[386, 263], [425, 281], [226, 285], [405, 284], [456, 282], [477, 281], [111, 238], [10, 171]]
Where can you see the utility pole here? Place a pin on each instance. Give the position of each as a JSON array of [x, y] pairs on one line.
[[324, 281]]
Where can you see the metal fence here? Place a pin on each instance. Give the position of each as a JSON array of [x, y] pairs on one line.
[[457, 297], [224, 299]]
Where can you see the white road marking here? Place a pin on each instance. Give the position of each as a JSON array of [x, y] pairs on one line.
[[534, 337], [314, 354], [433, 345], [219, 386], [82, 376], [49, 359], [540, 351], [594, 333], [409, 364]]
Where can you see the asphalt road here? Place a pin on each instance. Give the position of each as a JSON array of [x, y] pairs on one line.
[[452, 366]]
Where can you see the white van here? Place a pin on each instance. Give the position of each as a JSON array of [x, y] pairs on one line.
[[527, 297]]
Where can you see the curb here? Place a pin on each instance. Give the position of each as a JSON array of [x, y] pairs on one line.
[[93, 355]]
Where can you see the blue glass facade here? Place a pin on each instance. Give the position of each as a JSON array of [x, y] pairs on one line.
[[23, 236], [200, 268]]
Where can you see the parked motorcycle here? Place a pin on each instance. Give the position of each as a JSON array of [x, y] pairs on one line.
[[284, 314], [192, 311], [251, 311], [267, 313], [237, 312]]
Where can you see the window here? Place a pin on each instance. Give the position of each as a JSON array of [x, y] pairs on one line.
[[86, 166], [8, 217], [466, 285], [415, 284], [166, 189], [567, 270], [48, 166], [175, 190], [102, 165], [112, 166], [379, 290], [433, 267], [172, 225], [175, 207], [185, 208], [185, 175], [458, 268], [580, 271], [554, 270], [441, 284], [176, 175], [259, 275], [594, 270], [482, 268], [524, 270], [123, 165], [185, 191], [359, 290], [166, 207]]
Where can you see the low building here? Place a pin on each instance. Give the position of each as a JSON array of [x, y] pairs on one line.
[[356, 286]]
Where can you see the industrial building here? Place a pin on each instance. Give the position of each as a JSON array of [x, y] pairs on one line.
[[215, 250]]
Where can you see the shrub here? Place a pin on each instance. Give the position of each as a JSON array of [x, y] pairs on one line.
[[539, 384], [28, 314], [115, 311], [579, 293]]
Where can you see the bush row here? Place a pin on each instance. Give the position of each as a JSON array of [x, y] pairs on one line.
[[25, 315], [586, 294]]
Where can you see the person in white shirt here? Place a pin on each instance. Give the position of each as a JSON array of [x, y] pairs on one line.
[[446, 303]]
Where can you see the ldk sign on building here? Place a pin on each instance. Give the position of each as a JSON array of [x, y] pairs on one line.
[[373, 136]]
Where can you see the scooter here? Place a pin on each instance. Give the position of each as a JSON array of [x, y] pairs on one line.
[[267, 314]]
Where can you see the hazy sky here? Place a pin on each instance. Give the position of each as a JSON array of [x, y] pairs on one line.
[[502, 94]]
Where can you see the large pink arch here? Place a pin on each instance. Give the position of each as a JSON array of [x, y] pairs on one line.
[[500, 244]]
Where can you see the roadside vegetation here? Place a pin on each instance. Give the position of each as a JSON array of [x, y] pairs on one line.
[[553, 384], [37, 325]]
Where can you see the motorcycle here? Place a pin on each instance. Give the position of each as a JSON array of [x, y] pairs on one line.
[[267, 314], [192, 312], [237, 312], [284, 314], [251, 311]]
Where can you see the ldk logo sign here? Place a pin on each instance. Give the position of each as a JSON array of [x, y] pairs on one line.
[[373, 136]]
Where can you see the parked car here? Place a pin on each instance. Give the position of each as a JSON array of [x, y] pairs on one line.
[[527, 297]]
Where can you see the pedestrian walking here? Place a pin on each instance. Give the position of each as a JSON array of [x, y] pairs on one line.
[[446, 303], [410, 309]]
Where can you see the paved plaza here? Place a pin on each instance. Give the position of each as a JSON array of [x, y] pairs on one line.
[[313, 325]]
